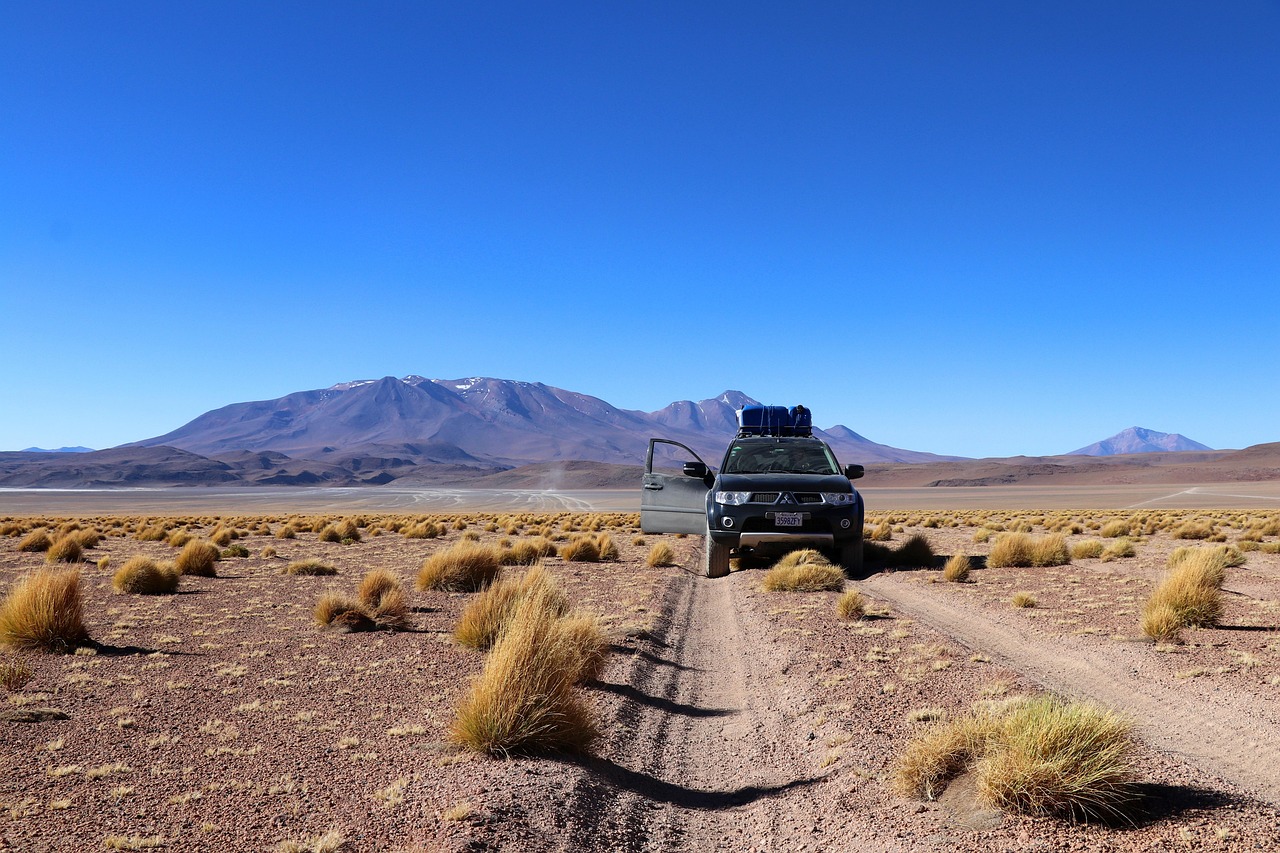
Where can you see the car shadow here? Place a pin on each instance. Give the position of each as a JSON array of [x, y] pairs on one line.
[[667, 706]]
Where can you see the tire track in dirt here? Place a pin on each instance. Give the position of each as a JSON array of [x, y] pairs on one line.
[[702, 754], [1236, 738]]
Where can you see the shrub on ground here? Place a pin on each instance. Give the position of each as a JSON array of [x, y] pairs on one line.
[[803, 571], [311, 566], [1023, 550], [197, 558], [957, 568], [43, 611], [1192, 590], [1041, 757], [524, 701], [1087, 549], [1023, 599], [144, 576], [36, 541], [660, 554], [851, 606], [466, 567], [65, 550], [581, 549], [486, 616]]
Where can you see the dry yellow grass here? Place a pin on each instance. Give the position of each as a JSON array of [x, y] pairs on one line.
[[524, 701], [1192, 590], [581, 549], [197, 558], [485, 618], [957, 568], [1023, 600], [43, 612], [1040, 756], [37, 541], [1024, 550], [312, 566], [144, 576], [375, 584], [661, 554], [803, 571], [466, 567], [850, 606], [66, 549], [915, 553]]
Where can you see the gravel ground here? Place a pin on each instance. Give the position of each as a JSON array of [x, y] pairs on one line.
[[223, 717]]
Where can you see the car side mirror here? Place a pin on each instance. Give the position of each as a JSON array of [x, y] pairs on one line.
[[695, 469], [853, 472]]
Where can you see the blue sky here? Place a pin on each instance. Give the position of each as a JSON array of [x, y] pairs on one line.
[[987, 228]]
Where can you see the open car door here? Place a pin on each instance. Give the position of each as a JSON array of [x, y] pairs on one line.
[[675, 503]]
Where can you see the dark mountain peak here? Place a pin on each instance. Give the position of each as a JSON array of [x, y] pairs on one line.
[[1138, 439]]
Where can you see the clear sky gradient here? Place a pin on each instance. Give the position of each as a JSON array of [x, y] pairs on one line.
[[984, 229]]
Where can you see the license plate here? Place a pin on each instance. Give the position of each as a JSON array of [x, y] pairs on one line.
[[788, 519]]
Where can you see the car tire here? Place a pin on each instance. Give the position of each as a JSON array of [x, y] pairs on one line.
[[715, 558], [851, 557]]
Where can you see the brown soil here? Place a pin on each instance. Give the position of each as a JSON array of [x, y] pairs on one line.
[[223, 718]]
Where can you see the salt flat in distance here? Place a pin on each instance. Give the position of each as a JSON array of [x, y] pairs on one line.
[[82, 502]]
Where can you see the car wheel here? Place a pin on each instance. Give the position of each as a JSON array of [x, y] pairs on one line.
[[715, 558], [851, 557]]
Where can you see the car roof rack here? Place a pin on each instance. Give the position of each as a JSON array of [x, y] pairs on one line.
[[774, 421]]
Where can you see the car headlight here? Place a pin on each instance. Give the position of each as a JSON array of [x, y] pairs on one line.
[[838, 498], [732, 498]]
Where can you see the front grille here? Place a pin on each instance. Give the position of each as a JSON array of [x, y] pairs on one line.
[[808, 498], [763, 497]]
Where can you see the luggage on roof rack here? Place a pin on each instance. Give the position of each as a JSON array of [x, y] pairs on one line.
[[775, 421]]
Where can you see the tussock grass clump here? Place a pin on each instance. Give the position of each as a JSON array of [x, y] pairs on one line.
[[803, 571], [1023, 600], [311, 566], [198, 558], [915, 553], [882, 532], [287, 532], [957, 568], [1040, 757], [606, 547], [144, 576], [661, 554], [528, 552], [581, 549], [1192, 590], [15, 673], [384, 599], [524, 701], [851, 606], [152, 533], [67, 549], [1198, 529], [484, 619], [179, 538], [1087, 550], [329, 533], [35, 542], [1115, 528], [422, 530], [375, 584], [466, 567], [1022, 550], [43, 612], [1119, 549]]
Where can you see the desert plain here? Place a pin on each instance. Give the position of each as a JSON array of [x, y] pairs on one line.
[[224, 717]]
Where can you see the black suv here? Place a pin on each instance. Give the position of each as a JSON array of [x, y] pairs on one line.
[[774, 493]]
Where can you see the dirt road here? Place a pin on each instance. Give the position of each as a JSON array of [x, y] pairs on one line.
[[1235, 736], [708, 755]]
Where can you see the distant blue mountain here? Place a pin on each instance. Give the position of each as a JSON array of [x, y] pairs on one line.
[[59, 450], [1139, 440]]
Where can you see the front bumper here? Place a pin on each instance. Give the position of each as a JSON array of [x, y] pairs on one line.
[[756, 526]]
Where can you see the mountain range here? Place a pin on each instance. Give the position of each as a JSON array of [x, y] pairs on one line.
[[485, 432], [411, 430]]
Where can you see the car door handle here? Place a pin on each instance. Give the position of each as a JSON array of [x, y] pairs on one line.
[[653, 486]]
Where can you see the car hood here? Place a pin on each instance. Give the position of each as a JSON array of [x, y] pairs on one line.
[[783, 483]]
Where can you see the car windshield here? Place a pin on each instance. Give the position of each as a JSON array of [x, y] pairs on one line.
[[782, 458]]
